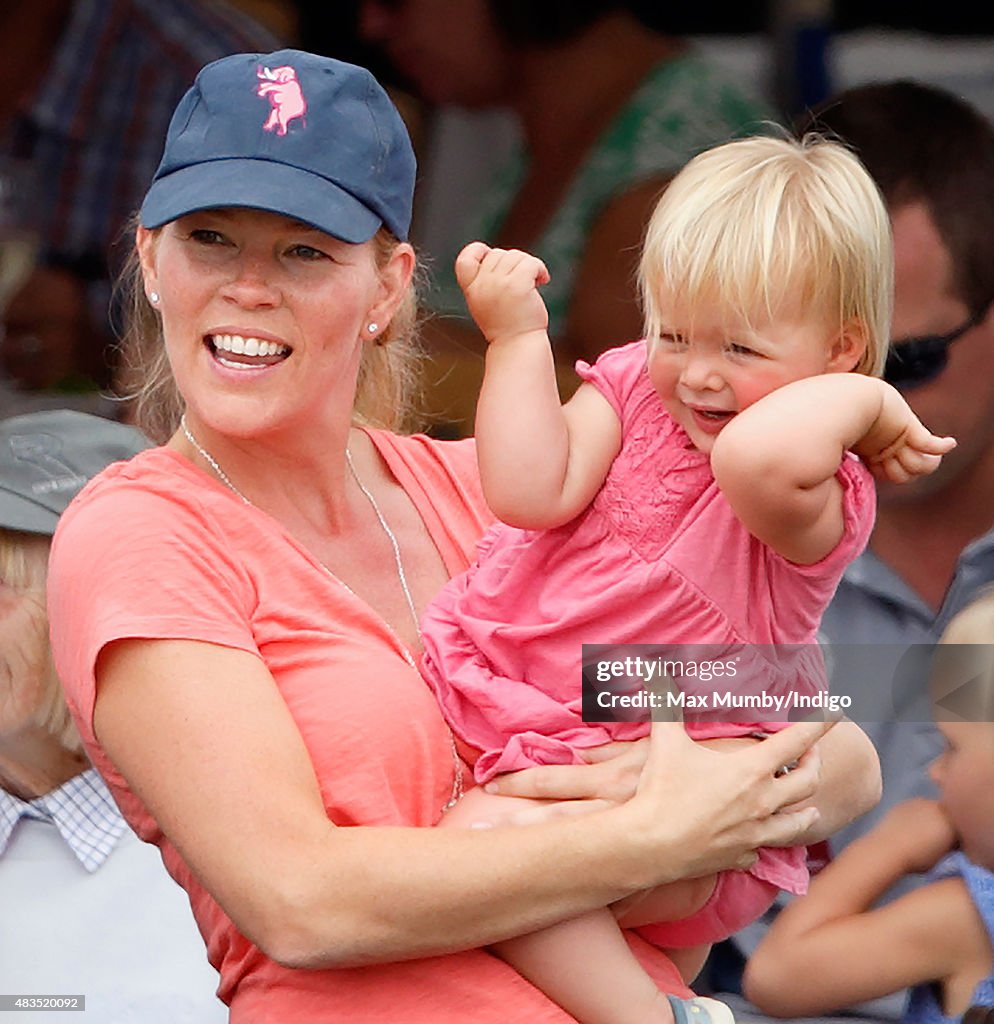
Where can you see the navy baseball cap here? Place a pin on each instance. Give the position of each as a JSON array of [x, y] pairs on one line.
[[47, 457], [294, 133]]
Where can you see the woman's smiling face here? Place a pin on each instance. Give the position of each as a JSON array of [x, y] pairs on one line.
[[264, 317]]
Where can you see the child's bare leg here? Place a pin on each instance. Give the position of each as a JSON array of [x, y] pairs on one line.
[[671, 902], [584, 964], [689, 960]]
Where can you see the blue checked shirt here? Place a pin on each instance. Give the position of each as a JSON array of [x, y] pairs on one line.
[[83, 811], [93, 131]]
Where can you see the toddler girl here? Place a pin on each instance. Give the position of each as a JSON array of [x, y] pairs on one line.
[[938, 938], [693, 477]]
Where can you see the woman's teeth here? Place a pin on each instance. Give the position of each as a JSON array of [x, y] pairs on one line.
[[239, 345]]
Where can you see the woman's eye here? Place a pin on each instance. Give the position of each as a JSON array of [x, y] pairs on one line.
[[307, 253], [205, 236]]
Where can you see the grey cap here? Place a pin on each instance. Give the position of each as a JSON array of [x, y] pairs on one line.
[[47, 457]]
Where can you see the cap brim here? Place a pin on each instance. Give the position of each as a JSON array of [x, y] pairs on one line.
[[17, 513], [259, 185]]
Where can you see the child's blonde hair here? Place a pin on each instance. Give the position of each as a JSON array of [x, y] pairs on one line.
[[964, 662], [763, 225]]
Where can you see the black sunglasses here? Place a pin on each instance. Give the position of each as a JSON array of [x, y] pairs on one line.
[[916, 361]]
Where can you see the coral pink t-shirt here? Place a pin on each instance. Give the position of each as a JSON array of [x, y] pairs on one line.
[[155, 548]]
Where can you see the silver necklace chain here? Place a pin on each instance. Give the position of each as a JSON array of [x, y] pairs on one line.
[[391, 536], [210, 460], [457, 784]]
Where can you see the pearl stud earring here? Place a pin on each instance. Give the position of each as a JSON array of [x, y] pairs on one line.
[[372, 328], [153, 297]]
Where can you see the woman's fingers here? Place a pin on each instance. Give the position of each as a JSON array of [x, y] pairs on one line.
[[634, 749], [754, 803], [790, 744], [787, 827], [613, 780]]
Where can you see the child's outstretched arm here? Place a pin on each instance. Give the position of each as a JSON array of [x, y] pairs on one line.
[[777, 460], [828, 950], [541, 462]]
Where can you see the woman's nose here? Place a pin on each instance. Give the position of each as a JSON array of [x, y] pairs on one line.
[[252, 283]]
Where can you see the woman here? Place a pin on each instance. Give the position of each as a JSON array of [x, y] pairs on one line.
[[246, 677]]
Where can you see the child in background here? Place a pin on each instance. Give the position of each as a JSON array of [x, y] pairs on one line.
[[938, 938], [692, 476]]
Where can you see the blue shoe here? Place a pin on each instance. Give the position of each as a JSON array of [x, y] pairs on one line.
[[700, 1010]]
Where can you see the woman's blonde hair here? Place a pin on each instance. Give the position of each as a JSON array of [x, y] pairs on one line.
[[25, 652], [387, 391], [765, 225]]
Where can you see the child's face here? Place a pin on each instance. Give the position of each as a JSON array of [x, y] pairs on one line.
[[964, 773], [707, 375]]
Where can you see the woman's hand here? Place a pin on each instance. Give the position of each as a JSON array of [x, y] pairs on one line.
[[724, 805], [609, 777], [727, 803], [844, 761], [611, 774]]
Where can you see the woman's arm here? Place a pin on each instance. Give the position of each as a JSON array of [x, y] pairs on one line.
[[776, 461], [828, 949], [541, 462], [204, 739], [848, 781]]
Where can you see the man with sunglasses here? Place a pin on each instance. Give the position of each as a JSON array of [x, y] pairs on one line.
[[932, 548]]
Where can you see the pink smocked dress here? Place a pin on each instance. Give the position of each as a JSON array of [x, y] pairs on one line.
[[657, 558]]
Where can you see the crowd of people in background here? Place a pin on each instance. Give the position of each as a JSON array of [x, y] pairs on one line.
[[279, 541]]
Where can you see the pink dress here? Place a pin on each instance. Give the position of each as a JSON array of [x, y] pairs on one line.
[[657, 558]]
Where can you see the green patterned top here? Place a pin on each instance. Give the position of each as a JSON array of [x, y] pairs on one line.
[[683, 106]]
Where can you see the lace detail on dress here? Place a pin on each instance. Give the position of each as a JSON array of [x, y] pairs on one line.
[[654, 482]]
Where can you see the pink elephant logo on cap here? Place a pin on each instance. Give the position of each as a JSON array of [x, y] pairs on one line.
[[285, 96]]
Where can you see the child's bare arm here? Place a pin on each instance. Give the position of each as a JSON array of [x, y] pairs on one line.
[[541, 462], [777, 460], [829, 949]]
